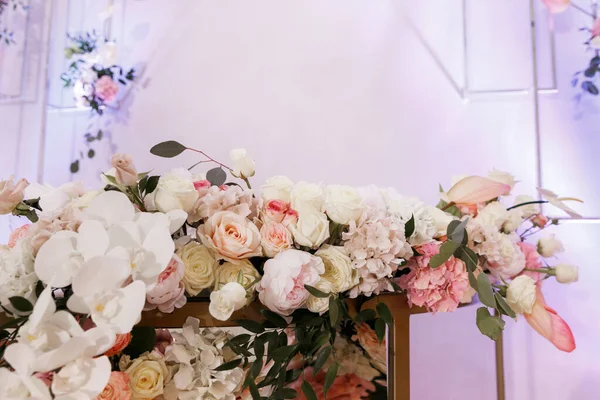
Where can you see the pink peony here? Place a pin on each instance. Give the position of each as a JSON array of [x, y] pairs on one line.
[[163, 340], [18, 234], [169, 292], [439, 289], [106, 89], [121, 342], [282, 286], [117, 387], [532, 260], [369, 341], [344, 387]]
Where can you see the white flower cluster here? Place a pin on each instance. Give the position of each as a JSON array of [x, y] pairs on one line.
[[17, 277]]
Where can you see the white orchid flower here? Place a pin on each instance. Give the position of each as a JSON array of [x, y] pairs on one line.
[[98, 291], [20, 384], [84, 378], [558, 202]]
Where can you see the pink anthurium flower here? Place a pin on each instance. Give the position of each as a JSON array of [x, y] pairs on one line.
[[476, 189], [547, 323], [556, 6]]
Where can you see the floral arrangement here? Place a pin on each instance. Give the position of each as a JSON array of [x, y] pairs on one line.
[[77, 279], [7, 35]]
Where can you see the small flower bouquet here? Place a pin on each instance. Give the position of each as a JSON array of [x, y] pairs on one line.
[[77, 279], [93, 73]]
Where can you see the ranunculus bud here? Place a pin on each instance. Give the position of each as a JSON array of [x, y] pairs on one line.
[[539, 220], [549, 246], [11, 195], [566, 273], [125, 172], [520, 294], [243, 165]]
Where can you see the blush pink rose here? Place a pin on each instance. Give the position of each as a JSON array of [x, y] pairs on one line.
[[344, 387], [233, 237], [106, 89], [532, 260], [279, 211], [281, 288], [125, 172], [18, 234], [11, 194], [169, 292], [117, 387], [275, 238], [440, 289], [121, 342]]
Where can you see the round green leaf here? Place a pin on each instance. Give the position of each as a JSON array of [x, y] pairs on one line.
[[168, 149]]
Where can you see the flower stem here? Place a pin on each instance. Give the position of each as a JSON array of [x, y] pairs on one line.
[[209, 158], [527, 203]]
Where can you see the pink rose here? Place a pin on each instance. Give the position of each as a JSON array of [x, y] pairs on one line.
[[125, 172], [275, 238], [121, 342], [11, 195], [18, 234], [117, 387], [106, 89], [369, 341], [279, 211], [169, 292], [532, 260], [233, 236], [282, 287], [440, 289]]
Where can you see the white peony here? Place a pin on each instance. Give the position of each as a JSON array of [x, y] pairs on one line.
[[311, 229], [503, 177], [243, 165], [175, 191], [320, 304], [343, 204], [229, 298], [277, 188], [520, 294], [566, 273], [338, 268], [548, 246], [307, 196]]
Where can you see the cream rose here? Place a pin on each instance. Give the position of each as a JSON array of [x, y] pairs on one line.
[[148, 375], [338, 268], [307, 196], [549, 246], [243, 165], [343, 204], [520, 294], [175, 191], [312, 228], [231, 235], [278, 188], [320, 304], [200, 266], [275, 238], [566, 273], [11, 194], [229, 272]]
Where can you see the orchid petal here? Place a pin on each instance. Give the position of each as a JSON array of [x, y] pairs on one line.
[[67, 352], [556, 6], [21, 357], [99, 377], [44, 307], [54, 261], [159, 242], [476, 189], [102, 338], [100, 274], [126, 234], [67, 322], [78, 305], [176, 220], [132, 304], [545, 321], [111, 207], [92, 240]]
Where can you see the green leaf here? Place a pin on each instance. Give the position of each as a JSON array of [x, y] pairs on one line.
[[456, 231], [254, 390], [504, 307], [589, 87], [380, 329], [473, 281], [142, 183], [447, 249], [91, 153], [409, 227], [274, 318], [99, 135], [320, 341], [365, 315], [395, 286], [329, 378], [216, 176], [74, 168], [489, 325], [385, 314], [249, 325], [273, 342], [229, 365], [152, 183], [468, 256], [143, 339], [322, 358], [259, 347], [256, 366], [21, 304], [316, 292], [334, 312], [240, 339], [13, 322], [309, 392], [39, 288], [485, 291], [284, 352], [288, 393], [111, 179], [168, 149]]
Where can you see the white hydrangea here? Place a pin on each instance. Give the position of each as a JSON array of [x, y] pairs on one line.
[[17, 276], [404, 207]]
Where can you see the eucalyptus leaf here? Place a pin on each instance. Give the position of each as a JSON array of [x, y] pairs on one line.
[[21, 304], [468, 256], [256, 366], [447, 249], [316, 292], [485, 291], [284, 352], [504, 307], [274, 318], [365, 315], [288, 393], [254, 390], [74, 167], [152, 184], [308, 391], [409, 227], [489, 325], [473, 281], [380, 329], [322, 358], [385, 314], [216, 176], [250, 325], [330, 378], [334, 312], [320, 341], [456, 231], [168, 149], [229, 365]]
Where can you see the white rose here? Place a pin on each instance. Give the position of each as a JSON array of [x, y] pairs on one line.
[[277, 188], [528, 210], [520, 294], [175, 191], [441, 220], [223, 302], [107, 54], [549, 246], [320, 304], [307, 195], [494, 214], [514, 218], [338, 268], [229, 272], [199, 267], [566, 273], [503, 177], [343, 204], [243, 165], [311, 230]]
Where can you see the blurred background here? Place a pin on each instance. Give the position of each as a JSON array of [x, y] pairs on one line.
[[394, 93]]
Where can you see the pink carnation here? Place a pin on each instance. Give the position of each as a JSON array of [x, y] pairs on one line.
[[439, 289], [169, 292], [532, 260], [106, 89]]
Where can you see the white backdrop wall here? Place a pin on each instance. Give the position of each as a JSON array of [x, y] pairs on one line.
[[351, 92]]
